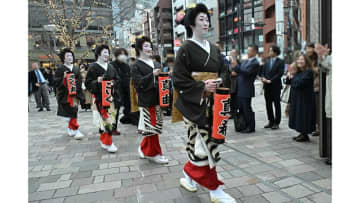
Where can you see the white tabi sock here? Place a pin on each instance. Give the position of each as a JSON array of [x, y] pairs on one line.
[[217, 192], [189, 180]]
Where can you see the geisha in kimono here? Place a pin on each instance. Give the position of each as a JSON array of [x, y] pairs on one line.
[[197, 70], [100, 71], [69, 92], [144, 74]]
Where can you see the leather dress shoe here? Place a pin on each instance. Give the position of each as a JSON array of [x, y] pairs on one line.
[[269, 125], [41, 109], [248, 130], [275, 126], [303, 138]]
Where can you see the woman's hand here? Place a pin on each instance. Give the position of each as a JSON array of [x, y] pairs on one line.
[[156, 72], [210, 85]]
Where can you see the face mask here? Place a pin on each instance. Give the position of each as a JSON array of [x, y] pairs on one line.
[[123, 58]]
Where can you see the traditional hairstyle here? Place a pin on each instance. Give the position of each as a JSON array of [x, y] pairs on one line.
[[119, 51], [99, 49], [139, 44], [63, 52], [190, 15], [276, 49], [308, 64]]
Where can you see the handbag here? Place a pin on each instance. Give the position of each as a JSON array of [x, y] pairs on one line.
[[285, 94], [239, 121]]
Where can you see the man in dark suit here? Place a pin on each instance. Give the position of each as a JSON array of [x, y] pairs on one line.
[[271, 73], [246, 73], [38, 79]]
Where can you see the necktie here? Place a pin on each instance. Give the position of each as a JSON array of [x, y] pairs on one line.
[[38, 76]]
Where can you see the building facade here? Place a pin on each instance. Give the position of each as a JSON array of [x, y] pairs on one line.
[[44, 45], [179, 32], [240, 24], [163, 28]]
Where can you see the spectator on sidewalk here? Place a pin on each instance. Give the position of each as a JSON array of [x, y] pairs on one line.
[[39, 87], [302, 99], [271, 73], [310, 52], [325, 60], [246, 74], [87, 95], [234, 63], [316, 91]]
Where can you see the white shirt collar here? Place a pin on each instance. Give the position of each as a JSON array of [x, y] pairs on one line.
[[104, 66], [70, 67], [251, 58], [149, 62], [206, 47]]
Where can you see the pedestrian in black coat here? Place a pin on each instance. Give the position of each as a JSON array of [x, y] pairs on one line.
[[302, 99], [123, 88]]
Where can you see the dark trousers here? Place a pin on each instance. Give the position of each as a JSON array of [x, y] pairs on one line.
[[126, 102], [233, 103], [329, 137], [273, 97], [42, 96], [244, 105]]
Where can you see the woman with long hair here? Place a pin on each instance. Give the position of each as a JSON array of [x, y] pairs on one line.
[[302, 99]]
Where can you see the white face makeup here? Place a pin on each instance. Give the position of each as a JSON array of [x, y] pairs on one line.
[[104, 56], [146, 49], [68, 58], [201, 27]]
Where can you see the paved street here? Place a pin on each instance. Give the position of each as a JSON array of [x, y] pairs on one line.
[[267, 166]]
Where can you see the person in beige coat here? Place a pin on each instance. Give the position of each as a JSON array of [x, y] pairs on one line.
[[325, 60], [87, 102]]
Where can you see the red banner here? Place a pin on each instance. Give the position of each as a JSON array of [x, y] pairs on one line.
[[71, 83], [164, 89], [107, 98], [221, 113]]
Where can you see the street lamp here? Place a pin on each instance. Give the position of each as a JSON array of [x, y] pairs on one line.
[[52, 28]]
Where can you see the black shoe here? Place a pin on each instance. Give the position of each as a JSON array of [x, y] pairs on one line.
[[328, 162], [48, 109], [248, 130], [303, 138], [275, 126], [294, 138], [269, 125], [315, 134], [125, 120], [41, 109]]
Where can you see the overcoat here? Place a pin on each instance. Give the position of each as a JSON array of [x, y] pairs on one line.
[[302, 102]]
